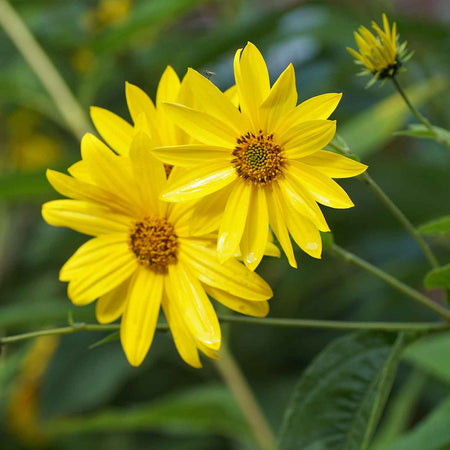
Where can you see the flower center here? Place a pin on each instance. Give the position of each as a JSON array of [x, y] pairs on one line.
[[154, 242], [257, 158]]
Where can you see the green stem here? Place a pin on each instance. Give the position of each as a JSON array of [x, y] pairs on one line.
[[233, 377], [391, 281], [42, 66], [416, 113], [337, 325], [395, 210], [74, 328], [271, 322]]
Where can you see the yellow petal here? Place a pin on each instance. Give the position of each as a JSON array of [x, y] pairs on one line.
[[232, 276], [149, 173], [272, 250], [141, 314], [334, 165], [208, 212], [98, 266], [211, 99], [139, 103], [233, 95], [301, 200], [80, 171], [256, 231], [185, 290], [304, 233], [191, 154], [110, 306], [252, 81], [168, 87], [323, 189], [183, 339], [73, 188], [84, 217], [109, 172], [233, 220], [199, 181], [278, 223], [315, 108], [113, 129], [249, 308], [281, 99], [201, 126], [307, 137]]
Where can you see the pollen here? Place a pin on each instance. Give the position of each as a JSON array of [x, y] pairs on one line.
[[154, 242], [257, 158]]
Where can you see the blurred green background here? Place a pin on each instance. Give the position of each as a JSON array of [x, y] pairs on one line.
[[57, 393]]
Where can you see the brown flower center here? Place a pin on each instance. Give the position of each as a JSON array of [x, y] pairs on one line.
[[257, 158], [154, 242]]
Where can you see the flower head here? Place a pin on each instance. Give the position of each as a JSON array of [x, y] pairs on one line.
[[142, 256], [379, 53], [265, 159]]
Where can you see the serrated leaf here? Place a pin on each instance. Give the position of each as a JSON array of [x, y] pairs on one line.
[[439, 226], [433, 433], [340, 397], [438, 278]]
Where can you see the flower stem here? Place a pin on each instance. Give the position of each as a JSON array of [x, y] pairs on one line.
[[391, 281], [42, 66], [395, 210], [234, 378], [416, 113], [271, 322]]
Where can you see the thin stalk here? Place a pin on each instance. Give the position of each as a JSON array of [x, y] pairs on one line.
[[44, 69], [74, 328], [391, 281], [233, 377], [271, 322], [416, 113], [395, 210]]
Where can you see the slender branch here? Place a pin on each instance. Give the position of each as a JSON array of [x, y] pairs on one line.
[[42, 66], [235, 380], [74, 328], [395, 210], [391, 281], [271, 322], [337, 325], [416, 113]]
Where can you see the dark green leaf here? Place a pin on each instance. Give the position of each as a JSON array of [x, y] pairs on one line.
[[340, 397], [439, 226], [438, 278]]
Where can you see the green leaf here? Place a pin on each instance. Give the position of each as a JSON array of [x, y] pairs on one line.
[[205, 409], [419, 130], [438, 278], [340, 397], [439, 226], [372, 128], [432, 355], [433, 433]]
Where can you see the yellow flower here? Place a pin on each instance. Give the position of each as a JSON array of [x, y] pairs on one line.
[[380, 55], [265, 158], [142, 256]]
